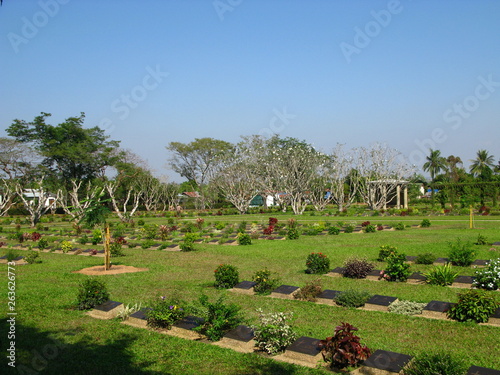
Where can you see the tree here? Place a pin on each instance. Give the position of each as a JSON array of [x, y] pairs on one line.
[[198, 161], [16, 158], [38, 201], [435, 163], [70, 151], [482, 165], [78, 200]]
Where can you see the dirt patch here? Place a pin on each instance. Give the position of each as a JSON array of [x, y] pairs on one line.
[[114, 270]]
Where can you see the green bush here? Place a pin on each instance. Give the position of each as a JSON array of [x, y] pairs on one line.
[[265, 282], [310, 291], [188, 243], [317, 263], [400, 226], [273, 333], [440, 275], [481, 240], [66, 246], [349, 228], [146, 244], [370, 228], [473, 306], [432, 364], [426, 258], [385, 251], [461, 253], [11, 255], [33, 257], [426, 223], [164, 313], [406, 307], [244, 239], [397, 269], [217, 317], [226, 276], [43, 244], [489, 276], [333, 231], [352, 298], [91, 293], [356, 268], [96, 236], [292, 234]]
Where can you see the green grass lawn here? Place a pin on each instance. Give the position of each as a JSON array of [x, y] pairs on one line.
[[54, 338]]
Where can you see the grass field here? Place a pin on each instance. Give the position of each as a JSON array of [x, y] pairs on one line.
[[52, 337]]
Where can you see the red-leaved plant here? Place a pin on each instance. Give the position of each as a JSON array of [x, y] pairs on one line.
[[344, 349]]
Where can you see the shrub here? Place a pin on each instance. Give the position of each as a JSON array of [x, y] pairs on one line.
[[399, 226], [425, 258], [66, 246], [441, 275], [352, 298], [431, 364], [292, 234], [188, 243], [96, 236], [357, 268], [349, 228], [115, 246], [265, 282], [397, 269], [140, 222], [333, 231], [164, 313], [406, 307], [344, 348], [35, 236], [473, 305], [43, 244], [150, 231], [217, 316], [317, 263], [365, 224], [385, 251], [128, 310], [244, 239], [33, 257], [481, 240], [146, 244], [83, 240], [426, 223], [488, 277], [461, 253], [273, 333], [11, 255], [226, 276], [370, 228], [91, 292], [310, 291]]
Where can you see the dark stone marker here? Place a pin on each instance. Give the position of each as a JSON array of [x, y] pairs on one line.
[[464, 279], [230, 242], [496, 243], [305, 345], [214, 241], [241, 333], [338, 270], [141, 314], [476, 370], [107, 306], [388, 361], [411, 258], [479, 262], [18, 258], [245, 285], [285, 289], [329, 294], [438, 306], [172, 246], [441, 261], [417, 276], [381, 300], [375, 273], [189, 322]]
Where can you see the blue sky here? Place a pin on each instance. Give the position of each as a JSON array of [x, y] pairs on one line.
[[412, 74]]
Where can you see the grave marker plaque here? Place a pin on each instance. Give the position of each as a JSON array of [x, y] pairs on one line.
[[184, 328], [436, 309], [305, 351], [327, 297], [245, 287], [476, 370], [239, 339], [379, 303], [373, 275], [416, 278], [284, 291], [336, 272], [107, 310], [462, 282], [138, 319], [383, 362]]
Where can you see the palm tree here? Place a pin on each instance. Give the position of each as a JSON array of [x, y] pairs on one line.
[[453, 162], [482, 165], [435, 163]]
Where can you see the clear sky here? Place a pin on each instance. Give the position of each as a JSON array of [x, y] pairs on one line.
[[413, 74]]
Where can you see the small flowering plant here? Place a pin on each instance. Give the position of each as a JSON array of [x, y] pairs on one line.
[[274, 332], [317, 263], [165, 312], [489, 277], [226, 276]]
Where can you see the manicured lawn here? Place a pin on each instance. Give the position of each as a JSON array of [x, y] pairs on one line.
[[45, 294]]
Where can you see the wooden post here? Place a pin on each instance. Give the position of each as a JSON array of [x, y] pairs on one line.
[[471, 218], [107, 252]]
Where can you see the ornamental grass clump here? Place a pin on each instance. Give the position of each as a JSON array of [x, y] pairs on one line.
[[441, 275], [226, 276], [474, 305], [165, 312], [425, 258], [436, 363], [488, 277], [273, 333], [357, 268], [317, 263], [344, 348], [91, 293]]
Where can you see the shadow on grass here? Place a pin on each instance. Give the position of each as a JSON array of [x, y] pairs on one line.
[[38, 352]]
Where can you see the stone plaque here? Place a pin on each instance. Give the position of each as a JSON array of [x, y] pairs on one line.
[[436, 309], [108, 310], [416, 278], [384, 362], [284, 291], [476, 370]]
